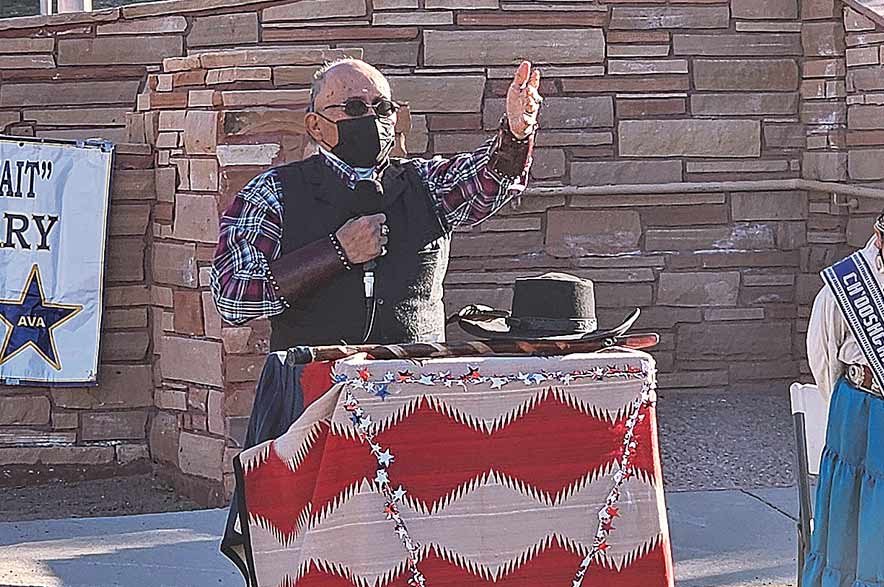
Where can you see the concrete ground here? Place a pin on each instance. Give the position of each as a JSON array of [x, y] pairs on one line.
[[713, 440], [734, 538], [728, 464]]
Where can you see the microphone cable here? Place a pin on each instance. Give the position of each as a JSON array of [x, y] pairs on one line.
[[373, 192]]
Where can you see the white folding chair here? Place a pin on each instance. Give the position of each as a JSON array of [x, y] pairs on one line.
[[810, 414]]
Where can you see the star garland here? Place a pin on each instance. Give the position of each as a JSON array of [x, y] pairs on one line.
[[380, 388], [609, 510], [385, 458]]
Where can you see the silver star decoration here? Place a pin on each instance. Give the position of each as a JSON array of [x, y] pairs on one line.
[[399, 494], [385, 458], [426, 380], [567, 378], [381, 477], [498, 382]]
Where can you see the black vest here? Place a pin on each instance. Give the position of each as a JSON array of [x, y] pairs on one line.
[[408, 279]]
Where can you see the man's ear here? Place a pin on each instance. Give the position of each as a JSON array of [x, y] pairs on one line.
[[313, 127]]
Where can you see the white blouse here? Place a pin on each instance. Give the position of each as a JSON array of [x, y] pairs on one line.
[[830, 344]]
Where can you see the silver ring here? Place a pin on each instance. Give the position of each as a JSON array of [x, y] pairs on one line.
[[383, 251], [385, 230]]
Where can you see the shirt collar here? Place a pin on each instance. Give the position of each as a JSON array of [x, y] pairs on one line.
[[350, 175], [870, 252]]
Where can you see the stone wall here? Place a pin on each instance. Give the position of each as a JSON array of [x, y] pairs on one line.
[[716, 113], [215, 120], [864, 141]]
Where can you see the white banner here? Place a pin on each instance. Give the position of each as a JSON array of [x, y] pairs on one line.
[[53, 209]]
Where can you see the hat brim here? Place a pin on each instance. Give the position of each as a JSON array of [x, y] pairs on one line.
[[492, 326]]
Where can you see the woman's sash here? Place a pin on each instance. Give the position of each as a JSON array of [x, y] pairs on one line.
[[859, 297]]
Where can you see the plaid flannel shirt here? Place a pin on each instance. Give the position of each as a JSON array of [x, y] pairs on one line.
[[465, 192]]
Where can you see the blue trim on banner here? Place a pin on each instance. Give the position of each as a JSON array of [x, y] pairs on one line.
[[861, 302]]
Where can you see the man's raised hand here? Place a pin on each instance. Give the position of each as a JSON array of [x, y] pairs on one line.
[[523, 100]]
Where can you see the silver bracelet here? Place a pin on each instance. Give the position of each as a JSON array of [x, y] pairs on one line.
[[340, 251], [275, 287]]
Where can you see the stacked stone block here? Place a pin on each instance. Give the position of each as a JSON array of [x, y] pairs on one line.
[[214, 121], [864, 143]]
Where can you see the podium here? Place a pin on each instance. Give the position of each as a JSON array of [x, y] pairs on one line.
[[463, 472]]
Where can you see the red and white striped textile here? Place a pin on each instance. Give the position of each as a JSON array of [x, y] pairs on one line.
[[505, 464]]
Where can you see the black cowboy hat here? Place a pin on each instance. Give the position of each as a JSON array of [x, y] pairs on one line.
[[553, 306]]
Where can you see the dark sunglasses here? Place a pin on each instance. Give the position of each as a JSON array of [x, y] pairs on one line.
[[356, 107]]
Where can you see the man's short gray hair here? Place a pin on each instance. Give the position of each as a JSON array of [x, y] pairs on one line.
[[319, 78]]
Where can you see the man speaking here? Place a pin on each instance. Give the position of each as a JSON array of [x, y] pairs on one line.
[[350, 244]]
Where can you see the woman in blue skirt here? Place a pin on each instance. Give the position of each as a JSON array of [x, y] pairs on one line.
[[847, 544]]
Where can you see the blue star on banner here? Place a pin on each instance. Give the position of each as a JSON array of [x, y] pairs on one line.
[[30, 322]]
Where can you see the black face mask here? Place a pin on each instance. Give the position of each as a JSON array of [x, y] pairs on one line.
[[364, 142]]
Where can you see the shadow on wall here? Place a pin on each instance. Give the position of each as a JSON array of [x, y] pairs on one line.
[[13, 8]]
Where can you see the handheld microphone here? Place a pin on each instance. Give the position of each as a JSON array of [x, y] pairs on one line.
[[370, 193]]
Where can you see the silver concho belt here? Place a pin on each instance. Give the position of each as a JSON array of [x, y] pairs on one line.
[[861, 377]]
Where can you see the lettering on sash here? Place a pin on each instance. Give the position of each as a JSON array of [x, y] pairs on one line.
[[860, 300]]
